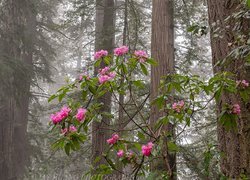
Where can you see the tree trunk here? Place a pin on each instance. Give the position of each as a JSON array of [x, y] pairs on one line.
[[162, 48], [16, 48], [234, 145], [105, 28], [120, 121]]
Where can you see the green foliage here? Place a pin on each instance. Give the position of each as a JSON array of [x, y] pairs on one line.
[[248, 3], [179, 99], [198, 30]]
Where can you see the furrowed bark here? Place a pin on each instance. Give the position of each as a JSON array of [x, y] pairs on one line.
[[162, 49], [234, 145]]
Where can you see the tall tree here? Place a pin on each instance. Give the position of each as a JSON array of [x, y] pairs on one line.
[[105, 29], [162, 48], [233, 144], [17, 32]]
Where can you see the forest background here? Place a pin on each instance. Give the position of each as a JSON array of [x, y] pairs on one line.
[[200, 54]]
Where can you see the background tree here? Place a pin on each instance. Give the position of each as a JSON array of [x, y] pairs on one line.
[[105, 34], [162, 49], [24, 55]]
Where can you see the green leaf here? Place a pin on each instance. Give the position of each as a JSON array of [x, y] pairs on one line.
[[67, 148], [177, 86], [192, 28], [245, 96], [97, 63], [228, 120], [208, 88], [138, 83], [84, 95], [61, 96], [188, 121], [82, 138], [97, 159], [159, 101], [189, 111], [75, 145], [58, 144], [141, 135], [52, 97], [217, 94], [248, 4], [191, 96], [172, 146], [92, 90], [137, 146], [164, 120], [107, 115], [152, 62], [107, 60], [124, 68], [144, 69]]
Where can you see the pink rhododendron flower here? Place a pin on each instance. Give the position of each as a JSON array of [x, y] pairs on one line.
[[115, 136], [100, 54], [141, 55], [56, 118], [120, 153], [178, 106], [104, 70], [243, 83], [72, 128], [121, 51], [113, 139], [146, 149], [112, 75], [83, 76], [80, 77], [65, 112], [64, 131], [59, 116], [236, 109], [105, 75], [103, 78], [81, 112]]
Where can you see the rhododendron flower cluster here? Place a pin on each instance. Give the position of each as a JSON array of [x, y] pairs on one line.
[[80, 77], [121, 51], [59, 116], [141, 55], [100, 54], [113, 139], [105, 75], [71, 130], [178, 106], [243, 83], [104, 70], [83, 76], [81, 113], [147, 149], [120, 153], [236, 109]]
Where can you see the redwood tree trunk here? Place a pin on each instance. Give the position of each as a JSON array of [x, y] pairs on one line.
[[16, 49], [234, 145], [105, 27], [162, 48]]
